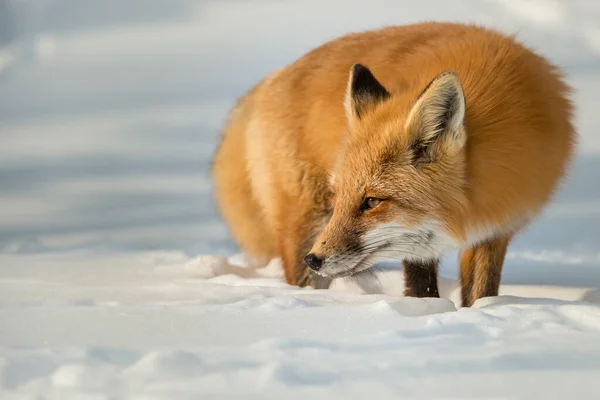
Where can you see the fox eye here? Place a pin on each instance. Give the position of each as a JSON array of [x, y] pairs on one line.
[[369, 203]]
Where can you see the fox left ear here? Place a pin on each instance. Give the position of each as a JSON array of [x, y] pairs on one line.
[[437, 117], [363, 91]]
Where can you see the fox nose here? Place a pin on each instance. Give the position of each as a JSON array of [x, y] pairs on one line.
[[313, 261]]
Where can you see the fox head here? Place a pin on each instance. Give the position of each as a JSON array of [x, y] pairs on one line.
[[400, 177]]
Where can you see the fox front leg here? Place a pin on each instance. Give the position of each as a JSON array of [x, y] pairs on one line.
[[421, 278]]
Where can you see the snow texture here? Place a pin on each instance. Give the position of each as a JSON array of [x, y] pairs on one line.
[[202, 327], [118, 279]]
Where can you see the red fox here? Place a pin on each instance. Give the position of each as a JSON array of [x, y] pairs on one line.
[[403, 142]]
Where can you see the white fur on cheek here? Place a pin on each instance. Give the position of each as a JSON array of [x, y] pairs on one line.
[[392, 240], [422, 243]]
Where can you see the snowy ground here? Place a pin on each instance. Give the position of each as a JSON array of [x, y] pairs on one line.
[[118, 280], [173, 327]]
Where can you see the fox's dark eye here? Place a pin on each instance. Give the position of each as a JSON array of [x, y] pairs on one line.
[[369, 203]]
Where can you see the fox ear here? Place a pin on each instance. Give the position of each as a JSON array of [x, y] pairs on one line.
[[363, 91], [436, 119]]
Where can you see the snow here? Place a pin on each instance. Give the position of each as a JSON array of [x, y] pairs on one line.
[[205, 326], [118, 278]]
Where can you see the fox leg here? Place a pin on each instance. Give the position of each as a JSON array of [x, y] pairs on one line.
[[296, 271], [467, 274], [420, 278], [297, 235], [481, 269]]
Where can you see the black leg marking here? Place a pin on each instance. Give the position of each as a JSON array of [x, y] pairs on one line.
[[420, 278]]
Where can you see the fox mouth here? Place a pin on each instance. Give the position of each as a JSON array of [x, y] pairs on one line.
[[364, 263], [343, 274]]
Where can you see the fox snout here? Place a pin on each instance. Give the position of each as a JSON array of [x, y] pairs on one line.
[[317, 257], [341, 251], [336, 252]]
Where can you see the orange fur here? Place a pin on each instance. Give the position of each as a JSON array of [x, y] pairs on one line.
[[300, 154]]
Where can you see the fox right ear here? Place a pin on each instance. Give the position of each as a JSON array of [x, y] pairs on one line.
[[436, 119], [363, 91]]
